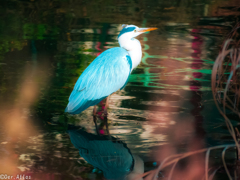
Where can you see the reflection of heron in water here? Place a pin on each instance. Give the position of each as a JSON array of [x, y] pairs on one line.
[[113, 157], [108, 73]]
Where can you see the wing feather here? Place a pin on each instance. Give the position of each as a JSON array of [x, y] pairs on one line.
[[108, 73]]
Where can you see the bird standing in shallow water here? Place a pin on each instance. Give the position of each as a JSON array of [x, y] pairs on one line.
[[108, 73]]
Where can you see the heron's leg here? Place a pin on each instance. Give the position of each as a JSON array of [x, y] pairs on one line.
[[95, 122], [106, 106], [95, 118], [95, 110], [107, 129]]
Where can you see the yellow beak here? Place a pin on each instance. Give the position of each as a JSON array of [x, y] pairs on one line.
[[143, 30]]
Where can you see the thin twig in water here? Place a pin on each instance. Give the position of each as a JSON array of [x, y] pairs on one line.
[[171, 172], [214, 172], [175, 158], [206, 163], [224, 163]]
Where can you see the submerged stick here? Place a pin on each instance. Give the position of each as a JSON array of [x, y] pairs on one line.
[[224, 163]]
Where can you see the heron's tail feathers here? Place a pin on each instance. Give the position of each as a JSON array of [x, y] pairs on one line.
[[79, 102]]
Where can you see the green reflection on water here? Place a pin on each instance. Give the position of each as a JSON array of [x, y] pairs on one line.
[[39, 31], [68, 67]]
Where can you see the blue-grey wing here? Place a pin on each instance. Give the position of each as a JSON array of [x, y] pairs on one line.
[[108, 73]]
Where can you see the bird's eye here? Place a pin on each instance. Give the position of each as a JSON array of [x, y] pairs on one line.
[[135, 30]]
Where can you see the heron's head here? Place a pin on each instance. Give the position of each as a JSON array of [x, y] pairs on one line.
[[131, 31], [126, 37]]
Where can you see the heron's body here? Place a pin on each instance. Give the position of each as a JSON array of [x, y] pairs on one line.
[[108, 73]]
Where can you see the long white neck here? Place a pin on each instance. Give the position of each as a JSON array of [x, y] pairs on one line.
[[133, 46]]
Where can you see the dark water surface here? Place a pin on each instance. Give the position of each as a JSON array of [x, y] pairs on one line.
[[168, 100]]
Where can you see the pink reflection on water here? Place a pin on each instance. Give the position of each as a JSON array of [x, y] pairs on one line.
[[187, 134], [98, 47], [195, 86], [197, 75]]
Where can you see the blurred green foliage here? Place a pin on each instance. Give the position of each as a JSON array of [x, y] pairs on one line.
[[39, 31], [10, 31]]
